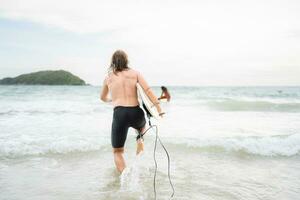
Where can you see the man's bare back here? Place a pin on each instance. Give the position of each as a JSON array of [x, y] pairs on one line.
[[122, 87]]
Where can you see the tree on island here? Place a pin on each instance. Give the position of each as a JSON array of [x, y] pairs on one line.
[[49, 77]]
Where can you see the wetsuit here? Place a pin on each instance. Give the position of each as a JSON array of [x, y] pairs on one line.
[[123, 118]]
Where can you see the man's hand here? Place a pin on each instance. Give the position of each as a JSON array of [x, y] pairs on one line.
[[104, 93], [161, 114], [106, 100]]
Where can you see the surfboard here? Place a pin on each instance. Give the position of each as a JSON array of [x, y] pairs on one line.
[[163, 100], [148, 106]]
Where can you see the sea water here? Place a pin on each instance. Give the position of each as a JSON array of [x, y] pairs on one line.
[[225, 143]]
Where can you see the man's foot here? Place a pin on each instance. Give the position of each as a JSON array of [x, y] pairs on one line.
[[139, 146]]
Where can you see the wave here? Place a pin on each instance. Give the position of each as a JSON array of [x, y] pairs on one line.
[[247, 105], [281, 145], [49, 111], [32, 112], [29, 146]]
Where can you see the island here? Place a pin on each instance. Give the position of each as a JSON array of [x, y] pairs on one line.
[[49, 77]]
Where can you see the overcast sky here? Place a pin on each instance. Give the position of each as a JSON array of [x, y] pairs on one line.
[[184, 42]]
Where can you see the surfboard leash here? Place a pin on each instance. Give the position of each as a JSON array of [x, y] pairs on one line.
[[169, 163], [154, 157]]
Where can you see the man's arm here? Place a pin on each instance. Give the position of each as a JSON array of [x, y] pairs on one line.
[[149, 92], [104, 93], [161, 96]]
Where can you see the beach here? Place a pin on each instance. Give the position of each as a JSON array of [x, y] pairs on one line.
[[224, 142]]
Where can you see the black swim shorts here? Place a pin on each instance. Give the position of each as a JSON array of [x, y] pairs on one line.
[[123, 118]]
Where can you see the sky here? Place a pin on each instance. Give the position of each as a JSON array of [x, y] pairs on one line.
[[171, 42]]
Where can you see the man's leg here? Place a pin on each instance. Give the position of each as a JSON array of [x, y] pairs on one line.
[[140, 142], [119, 159]]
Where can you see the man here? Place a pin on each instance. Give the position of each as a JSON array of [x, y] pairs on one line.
[[121, 84]]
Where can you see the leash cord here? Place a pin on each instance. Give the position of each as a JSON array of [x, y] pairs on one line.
[[169, 164], [154, 157]]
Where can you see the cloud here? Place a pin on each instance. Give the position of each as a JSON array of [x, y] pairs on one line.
[[294, 33], [102, 15], [204, 36], [82, 16]]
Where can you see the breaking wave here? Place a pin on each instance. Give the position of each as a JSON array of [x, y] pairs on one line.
[[246, 105], [281, 145]]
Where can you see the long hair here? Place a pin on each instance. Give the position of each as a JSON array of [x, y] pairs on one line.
[[164, 89], [119, 61]]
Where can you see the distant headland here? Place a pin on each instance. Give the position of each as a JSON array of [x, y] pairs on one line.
[[49, 77]]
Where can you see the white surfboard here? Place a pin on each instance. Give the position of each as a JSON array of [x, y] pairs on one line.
[[163, 100], [148, 105]]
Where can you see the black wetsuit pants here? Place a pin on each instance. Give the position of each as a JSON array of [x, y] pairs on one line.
[[123, 118]]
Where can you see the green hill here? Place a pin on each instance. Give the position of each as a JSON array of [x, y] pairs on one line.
[[59, 77]]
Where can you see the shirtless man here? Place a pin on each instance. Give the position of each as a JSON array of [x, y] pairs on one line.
[[121, 83]]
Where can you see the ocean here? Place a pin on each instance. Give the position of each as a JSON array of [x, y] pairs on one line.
[[227, 143]]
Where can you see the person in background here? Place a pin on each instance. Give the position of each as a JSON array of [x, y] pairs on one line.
[[164, 94], [121, 84]]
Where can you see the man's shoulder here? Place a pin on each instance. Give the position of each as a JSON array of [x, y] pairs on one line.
[[134, 71]]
